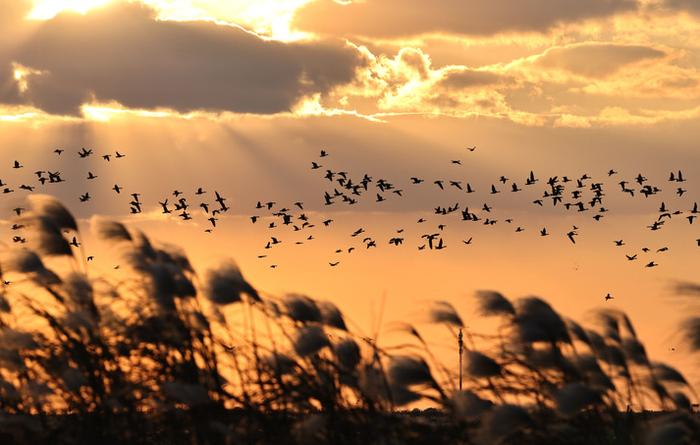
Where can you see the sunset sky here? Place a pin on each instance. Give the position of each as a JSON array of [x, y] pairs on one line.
[[240, 97]]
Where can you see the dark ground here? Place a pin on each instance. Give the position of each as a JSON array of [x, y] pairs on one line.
[[218, 426]]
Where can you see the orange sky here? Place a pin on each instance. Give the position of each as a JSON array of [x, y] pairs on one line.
[[240, 97]]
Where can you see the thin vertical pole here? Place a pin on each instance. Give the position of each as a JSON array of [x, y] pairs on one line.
[[461, 347]]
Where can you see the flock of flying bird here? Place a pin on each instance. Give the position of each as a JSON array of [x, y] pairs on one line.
[[582, 195], [180, 206]]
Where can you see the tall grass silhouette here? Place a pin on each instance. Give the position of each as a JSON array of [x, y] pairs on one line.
[[159, 354]]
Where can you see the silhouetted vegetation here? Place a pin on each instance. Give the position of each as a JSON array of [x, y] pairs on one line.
[[155, 353]]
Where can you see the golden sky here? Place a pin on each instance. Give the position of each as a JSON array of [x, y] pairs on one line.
[[240, 96]]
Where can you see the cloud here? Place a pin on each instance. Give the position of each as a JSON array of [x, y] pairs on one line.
[[464, 78], [596, 59], [563, 86], [692, 6], [9, 88], [122, 53], [397, 18], [409, 83], [590, 73]]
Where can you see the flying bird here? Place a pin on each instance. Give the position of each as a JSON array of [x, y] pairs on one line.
[[84, 152]]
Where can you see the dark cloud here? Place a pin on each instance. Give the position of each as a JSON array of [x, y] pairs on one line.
[[122, 53], [467, 78], [596, 59], [692, 6], [395, 18]]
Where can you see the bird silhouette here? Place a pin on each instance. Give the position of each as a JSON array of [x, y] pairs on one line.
[[358, 232], [221, 201], [84, 152]]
